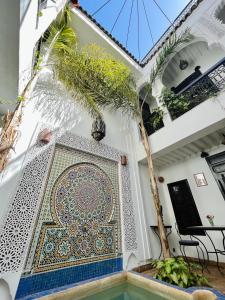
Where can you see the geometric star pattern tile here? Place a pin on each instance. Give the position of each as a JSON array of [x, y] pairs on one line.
[[79, 220], [25, 229]]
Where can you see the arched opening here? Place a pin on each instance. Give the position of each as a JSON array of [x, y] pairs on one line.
[[189, 64], [193, 75], [152, 121]]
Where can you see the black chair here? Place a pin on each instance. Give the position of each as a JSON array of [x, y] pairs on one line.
[[192, 243]]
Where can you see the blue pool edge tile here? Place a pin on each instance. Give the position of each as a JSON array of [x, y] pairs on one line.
[[55, 280], [188, 290]]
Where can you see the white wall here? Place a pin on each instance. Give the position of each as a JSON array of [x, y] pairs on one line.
[[55, 108], [208, 199], [52, 107], [32, 27], [50, 104], [149, 209], [196, 54], [203, 119], [204, 26]]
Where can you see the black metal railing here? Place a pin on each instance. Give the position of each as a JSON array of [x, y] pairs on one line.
[[204, 87]]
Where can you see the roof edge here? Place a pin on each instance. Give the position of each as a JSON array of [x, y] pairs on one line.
[[81, 9], [185, 13]]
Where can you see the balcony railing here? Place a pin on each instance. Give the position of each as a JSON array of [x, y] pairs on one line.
[[204, 87]]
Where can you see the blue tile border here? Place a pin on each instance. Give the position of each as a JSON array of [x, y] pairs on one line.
[[66, 277], [61, 288], [65, 287]]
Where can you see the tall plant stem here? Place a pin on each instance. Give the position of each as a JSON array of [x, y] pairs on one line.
[[12, 120], [155, 192], [9, 132]]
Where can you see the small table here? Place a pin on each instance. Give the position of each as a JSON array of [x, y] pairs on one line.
[[156, 231], [216, 251]]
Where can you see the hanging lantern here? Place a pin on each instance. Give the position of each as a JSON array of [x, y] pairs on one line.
[[98, 129], [183, 64]]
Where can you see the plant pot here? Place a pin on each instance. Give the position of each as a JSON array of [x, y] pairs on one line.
[[211, 222]]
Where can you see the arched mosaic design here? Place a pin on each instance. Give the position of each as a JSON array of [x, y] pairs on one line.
[[83, 194], [79, 220], [16, 233], [82, 203]]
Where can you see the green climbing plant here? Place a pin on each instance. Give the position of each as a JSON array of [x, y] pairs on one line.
[[176, 104], [157, 118]]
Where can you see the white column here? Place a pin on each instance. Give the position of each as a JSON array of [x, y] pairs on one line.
[[157, 88]]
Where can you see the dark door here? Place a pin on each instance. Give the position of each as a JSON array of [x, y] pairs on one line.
[[217, 165], [185, 209]]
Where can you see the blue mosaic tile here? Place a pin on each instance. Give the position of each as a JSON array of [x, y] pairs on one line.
[[30, 285], [58, 289]]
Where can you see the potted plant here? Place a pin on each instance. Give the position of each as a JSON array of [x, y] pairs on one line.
[[210, 219]]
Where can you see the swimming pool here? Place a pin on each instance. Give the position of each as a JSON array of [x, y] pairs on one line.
[[127, 286]]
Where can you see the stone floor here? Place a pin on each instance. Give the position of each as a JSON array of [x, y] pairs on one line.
[[216, 279]]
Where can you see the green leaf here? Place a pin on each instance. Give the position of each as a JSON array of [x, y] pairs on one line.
[[174, 278], [21, 98], [176, 271], [168, 269], [184, 277]]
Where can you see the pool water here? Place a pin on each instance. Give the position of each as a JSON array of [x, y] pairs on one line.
[[124, 291]]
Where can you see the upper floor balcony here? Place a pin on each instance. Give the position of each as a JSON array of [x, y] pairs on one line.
[[195, 89], [201, 109]]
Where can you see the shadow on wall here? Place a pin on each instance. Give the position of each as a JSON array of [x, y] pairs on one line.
[[54, 103], [4, 290]]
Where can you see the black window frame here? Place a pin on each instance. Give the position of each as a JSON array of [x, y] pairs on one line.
[[213, 161]]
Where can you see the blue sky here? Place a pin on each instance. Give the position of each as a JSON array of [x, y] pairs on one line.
[[158, 22]]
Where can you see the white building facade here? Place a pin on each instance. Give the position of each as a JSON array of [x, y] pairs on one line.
[[45, 243]]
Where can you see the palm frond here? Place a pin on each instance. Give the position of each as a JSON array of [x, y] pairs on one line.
[[100, 80], [168, 49], [60, 38]]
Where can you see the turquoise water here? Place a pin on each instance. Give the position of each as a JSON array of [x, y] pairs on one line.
[[124, 292]]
